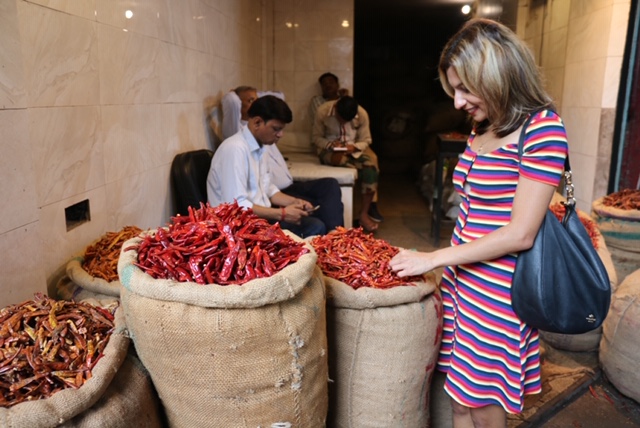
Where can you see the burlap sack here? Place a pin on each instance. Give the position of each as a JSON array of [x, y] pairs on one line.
[[620, 345], [232, 356], [66, 289], [589, 341], [620, 228], [78, 275], [130, 401], [383, 346], [67, 404]]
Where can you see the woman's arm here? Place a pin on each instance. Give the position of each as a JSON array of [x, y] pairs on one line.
[[530, 204]]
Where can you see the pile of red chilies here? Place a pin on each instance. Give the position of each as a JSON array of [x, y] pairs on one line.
[[227, 244], [358, 259], [47, 346], [558, 210], [626, 199]]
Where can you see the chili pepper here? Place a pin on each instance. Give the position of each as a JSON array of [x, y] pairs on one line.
[[38, 359], [101, 258], [626, 199], [358, 259], [233, 245]]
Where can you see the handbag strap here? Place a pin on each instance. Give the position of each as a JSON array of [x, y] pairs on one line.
[[568, 177]]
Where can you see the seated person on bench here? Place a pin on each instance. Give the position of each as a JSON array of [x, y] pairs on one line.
[[323, 192], [342, 138], [239, 171]]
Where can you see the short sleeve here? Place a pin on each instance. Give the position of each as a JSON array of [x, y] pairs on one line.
[[545, 149]]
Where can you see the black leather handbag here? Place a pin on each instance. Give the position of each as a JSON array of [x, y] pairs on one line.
[[560, 284]]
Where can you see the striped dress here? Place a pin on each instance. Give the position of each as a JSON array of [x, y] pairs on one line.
[[490, 356]]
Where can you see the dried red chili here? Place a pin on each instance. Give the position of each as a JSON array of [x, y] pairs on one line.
[[48, 345], [358, 259], [627, 199], [101, 258], [227, 244], [558, 210]]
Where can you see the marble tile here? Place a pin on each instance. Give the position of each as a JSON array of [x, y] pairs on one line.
[[85, 8], [559, 14], [583, 129], [585, 7], [17, 172], [554, 82], [59, 244], [284, 55], [284, 82], [619, 25], [611, 82], [136, 17], [322, 25], [13, 92], [178, 81], [60, 57], [67, 154], [555, 48], [135, 138], [306, 84], [129, 67], [583, 83], [143, 200], [583, 168], [603, 158], [534, 25], [588, 36], [21, 269]]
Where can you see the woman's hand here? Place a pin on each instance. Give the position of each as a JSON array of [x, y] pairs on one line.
[[408, 262]]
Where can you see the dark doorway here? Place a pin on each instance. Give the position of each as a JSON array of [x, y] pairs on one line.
[[397, 47]]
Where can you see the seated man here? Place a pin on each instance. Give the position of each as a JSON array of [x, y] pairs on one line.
[[323, 193], [342, 138], [331, 91], [239, 171]]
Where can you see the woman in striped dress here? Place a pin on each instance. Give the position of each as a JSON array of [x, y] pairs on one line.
[[491, 358]]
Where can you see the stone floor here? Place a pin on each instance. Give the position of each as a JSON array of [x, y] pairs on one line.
[[575, 392]]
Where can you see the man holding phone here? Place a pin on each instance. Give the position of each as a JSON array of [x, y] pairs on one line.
[[323, 193], [342, 138]]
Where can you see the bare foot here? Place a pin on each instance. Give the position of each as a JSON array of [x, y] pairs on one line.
[[367, 224]]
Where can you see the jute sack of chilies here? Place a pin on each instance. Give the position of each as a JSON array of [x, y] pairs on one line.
[[589, 341], [67, 404], [620, 345], [79, 276], [130, 401], [66, 289], [383, 345], [232, 356]]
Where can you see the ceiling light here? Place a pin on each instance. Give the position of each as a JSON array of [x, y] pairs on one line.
[[466, 9]]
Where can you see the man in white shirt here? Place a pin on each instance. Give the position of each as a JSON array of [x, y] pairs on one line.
[[239, 171], [323, 193]]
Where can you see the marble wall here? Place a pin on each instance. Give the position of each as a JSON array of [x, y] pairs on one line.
[[95, 103], [311, 38], [580, 46]]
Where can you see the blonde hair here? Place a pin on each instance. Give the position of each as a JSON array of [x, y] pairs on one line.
[[496, 66]]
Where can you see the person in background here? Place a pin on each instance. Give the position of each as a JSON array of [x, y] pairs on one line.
[[331, 91], [491, 358], [240, 172], [342, 137], [323, 193]]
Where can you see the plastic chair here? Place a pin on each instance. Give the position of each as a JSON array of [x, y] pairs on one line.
[[189, 172]]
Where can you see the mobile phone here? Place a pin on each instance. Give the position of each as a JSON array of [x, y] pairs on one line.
[[314, 208]]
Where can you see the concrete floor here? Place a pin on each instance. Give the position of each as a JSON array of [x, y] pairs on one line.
[[575, 392]]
